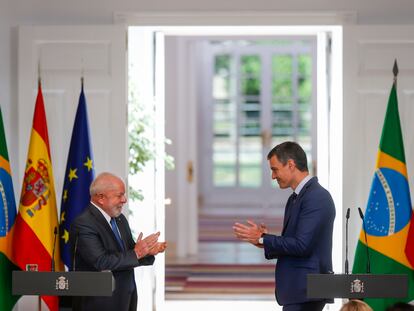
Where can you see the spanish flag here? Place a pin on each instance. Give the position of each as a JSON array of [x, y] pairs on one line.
[[37, 216], [7, 218], [388, 212]]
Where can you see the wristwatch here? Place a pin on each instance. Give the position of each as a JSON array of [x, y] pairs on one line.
[[260, 240]]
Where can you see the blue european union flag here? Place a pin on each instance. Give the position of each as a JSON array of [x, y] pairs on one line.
[[78, 177]]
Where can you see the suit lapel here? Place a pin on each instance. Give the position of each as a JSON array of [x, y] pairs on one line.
[[102, 221], [291, 207]]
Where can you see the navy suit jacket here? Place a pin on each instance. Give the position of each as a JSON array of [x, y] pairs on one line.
[[305, 245], [95, 248]]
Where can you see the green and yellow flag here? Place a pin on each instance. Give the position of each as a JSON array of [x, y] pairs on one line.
[[7, 218], [388, 212]]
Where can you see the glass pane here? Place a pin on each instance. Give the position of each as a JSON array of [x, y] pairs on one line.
[[250, 118], [282, 123], [282, 86], [224, 119], [282, 90], [306, 143], [221, 79], [250, 75], [282, 65], [304, 79], [222, 65], [305, 122], [250, 65], [250, 162], [305, 65], [250, 87], [224, 163]]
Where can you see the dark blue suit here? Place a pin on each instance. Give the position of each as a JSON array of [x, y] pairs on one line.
[[305, 245], [97, 249]]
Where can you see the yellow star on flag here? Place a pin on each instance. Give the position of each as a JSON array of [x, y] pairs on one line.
[[65, 236], [62, 217], [65, 195], [72, 174], [88, 163]]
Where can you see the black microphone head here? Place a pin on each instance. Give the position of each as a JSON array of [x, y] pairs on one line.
[[55, 231], [361, 214], [348, 212]]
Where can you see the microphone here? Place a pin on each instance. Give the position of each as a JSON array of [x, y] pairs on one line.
[[74, 252], [366, 240], [52, 266], [348, 211]]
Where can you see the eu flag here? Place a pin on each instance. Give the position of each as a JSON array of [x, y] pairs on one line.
[[78, 177]]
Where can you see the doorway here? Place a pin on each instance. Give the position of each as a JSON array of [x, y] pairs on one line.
[[181, 75]]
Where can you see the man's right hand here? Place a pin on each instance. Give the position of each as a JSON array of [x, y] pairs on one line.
[[143, 246]]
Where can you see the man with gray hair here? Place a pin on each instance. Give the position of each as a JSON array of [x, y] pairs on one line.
[[101, 239]]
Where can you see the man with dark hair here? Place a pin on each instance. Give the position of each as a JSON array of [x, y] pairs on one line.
[[290, 150], [305, 244]]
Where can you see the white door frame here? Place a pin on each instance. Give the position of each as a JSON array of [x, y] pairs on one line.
[[265, 20]]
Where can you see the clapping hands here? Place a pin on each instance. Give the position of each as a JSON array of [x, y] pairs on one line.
[[250, 232], [149, 245]]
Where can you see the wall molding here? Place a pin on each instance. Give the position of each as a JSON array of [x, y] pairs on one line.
[[236, 18]]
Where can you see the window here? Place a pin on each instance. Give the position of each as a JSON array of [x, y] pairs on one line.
[[261, 95]]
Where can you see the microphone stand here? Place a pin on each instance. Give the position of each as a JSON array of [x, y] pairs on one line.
[[52, 267], [366, 240], [74, 252], [348, 211]]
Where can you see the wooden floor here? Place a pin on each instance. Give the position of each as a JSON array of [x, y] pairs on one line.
[[222, 270]]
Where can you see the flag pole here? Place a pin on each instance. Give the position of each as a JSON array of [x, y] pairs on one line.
[[82, 74], [39, 80], [39, 83]]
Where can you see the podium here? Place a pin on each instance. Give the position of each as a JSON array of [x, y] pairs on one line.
[[357, 286], [74, 283]]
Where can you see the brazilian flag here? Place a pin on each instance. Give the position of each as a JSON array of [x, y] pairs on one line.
[[388, 212], [7, 219]]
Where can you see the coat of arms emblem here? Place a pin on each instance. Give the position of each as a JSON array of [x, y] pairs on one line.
[[35, 186], [357, 286], [62, 283]]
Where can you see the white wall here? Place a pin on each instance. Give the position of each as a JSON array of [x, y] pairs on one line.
[[48, 12]]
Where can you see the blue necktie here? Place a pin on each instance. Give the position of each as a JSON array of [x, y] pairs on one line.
[[116, 232], [291, 201]]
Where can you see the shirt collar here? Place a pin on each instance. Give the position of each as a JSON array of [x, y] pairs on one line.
[[302, 184], [107, 217]]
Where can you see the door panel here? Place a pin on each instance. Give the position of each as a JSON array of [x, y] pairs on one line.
[[62, 55]]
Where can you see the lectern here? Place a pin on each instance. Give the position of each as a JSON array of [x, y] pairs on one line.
[[357, 286], [75, 283]]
